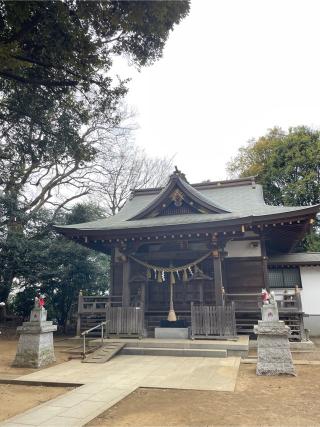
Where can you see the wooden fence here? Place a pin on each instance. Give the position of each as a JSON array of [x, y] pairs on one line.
[[287, 300], [213, 321], [125, 320], [97, 304]]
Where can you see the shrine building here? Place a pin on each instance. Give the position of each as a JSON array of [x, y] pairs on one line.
[[196, 256]]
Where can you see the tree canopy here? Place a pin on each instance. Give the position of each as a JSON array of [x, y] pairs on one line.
[[60, 112], [57, 99], [46, 262], [286, 163], [70, 43]]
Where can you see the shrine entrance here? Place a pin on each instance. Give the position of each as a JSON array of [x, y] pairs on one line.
[[168, 282]]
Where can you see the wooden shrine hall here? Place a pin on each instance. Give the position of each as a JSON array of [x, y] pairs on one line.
[[194, 256]]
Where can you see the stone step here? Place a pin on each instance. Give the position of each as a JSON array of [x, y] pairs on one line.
[[236, 344], [188, 344], [179, 352], [104, 353]]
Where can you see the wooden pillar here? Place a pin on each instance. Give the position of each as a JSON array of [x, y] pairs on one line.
[[146, 296], [218, 284], [80, 306], [112, 275], [264, 262], [125, 283], [143, 295], [201, 292]]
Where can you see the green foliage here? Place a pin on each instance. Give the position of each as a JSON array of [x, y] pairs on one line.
[[84, 212], [66, 44], [70, 268], [312, 241], [55, 87], [60, 269], [23, 302], [53, 265], [55, 91], [287, 164]]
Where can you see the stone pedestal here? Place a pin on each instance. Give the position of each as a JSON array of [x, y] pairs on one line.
[[35, 346], [274, 356]]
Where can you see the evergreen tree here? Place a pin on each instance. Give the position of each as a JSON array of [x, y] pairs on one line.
[[57, 267], [287, 164]]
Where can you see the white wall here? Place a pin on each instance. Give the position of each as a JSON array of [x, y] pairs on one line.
[[310, 295], [243, 248]]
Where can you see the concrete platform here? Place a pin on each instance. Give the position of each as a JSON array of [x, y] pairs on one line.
[[102, 386], [177, 352], [237, 348]]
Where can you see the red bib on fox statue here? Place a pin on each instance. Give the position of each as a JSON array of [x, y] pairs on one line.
[[41, 301], [265, 296]]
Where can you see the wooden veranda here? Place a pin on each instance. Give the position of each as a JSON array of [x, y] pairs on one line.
[[238, 315], [205, 321]]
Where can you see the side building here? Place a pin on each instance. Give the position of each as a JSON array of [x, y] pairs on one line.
[[303, 270], [212, 244]]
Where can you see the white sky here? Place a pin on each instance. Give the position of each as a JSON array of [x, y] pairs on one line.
[[230, 71]]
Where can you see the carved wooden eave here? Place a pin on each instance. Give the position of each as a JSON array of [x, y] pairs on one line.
[[179, 197]]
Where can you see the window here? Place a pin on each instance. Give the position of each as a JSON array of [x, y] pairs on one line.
[[284, 277]]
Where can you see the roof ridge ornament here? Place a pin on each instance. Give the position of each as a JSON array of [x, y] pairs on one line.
[[178, 173]]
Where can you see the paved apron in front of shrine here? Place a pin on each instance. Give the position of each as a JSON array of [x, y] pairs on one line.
[[104, 385]]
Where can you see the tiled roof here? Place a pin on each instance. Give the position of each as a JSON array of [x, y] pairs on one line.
[[241, 199], [300, 258]]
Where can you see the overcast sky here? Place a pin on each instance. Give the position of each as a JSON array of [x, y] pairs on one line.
[[230, 71]]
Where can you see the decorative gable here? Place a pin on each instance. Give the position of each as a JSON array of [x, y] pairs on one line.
[[178, 198]]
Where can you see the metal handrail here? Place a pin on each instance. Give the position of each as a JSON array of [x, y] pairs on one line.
[[102, 324]]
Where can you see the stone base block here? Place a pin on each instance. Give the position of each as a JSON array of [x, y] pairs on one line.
[[274, 355], [35, 350], [38, 315], [275, 368], [171, 333], [277, 328], [274, 342]]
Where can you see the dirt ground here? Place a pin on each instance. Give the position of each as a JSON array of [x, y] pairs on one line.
[[8, 347], [15, 399], [257, 401]]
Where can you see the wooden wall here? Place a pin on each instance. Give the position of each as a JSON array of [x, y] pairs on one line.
[[242, 276], [183, 294], [239, 276]]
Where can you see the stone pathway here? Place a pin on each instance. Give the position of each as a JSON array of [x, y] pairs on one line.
[[102, 386]]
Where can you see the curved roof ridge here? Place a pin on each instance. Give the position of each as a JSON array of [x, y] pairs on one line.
[[176, 180], [250, 180], [201, 196]]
